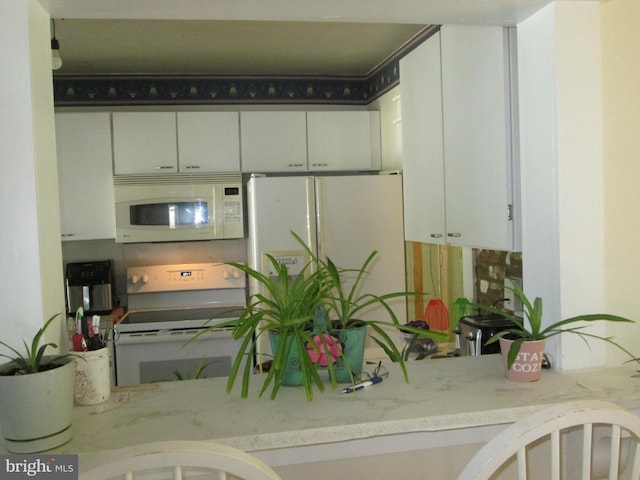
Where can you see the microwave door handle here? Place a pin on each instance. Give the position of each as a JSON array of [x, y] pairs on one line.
[[86, 297]]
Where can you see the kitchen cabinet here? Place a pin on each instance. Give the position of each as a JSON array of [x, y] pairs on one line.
[[144, 142], [85, 178], [310, 141], [348, 140], [422, 146], [208, 142], [273, 141], [170, 142], [465, 143]]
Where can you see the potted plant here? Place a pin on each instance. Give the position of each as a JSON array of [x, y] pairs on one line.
[[286, 307], [522, 345], [345, 305], [36, 397], [306, 315]]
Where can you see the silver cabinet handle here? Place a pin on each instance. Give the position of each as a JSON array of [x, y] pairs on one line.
[[165, 167], [436, 235], [296, 165], [456, 235], [191, 167], [319, 164]]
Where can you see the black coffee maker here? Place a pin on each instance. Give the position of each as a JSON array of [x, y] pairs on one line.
[[89, 285]]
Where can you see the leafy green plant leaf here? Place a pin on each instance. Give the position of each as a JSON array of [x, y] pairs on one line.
[[31, 360], [530, 328]]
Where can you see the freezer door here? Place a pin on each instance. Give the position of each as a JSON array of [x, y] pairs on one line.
[[277, 206], [359, 214]]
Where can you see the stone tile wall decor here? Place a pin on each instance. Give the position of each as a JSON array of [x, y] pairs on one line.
[[491, 268]]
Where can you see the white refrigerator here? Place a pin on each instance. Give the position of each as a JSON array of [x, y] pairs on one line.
[[344, 218]]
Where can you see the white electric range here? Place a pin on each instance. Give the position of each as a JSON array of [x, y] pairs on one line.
[[168, 305]]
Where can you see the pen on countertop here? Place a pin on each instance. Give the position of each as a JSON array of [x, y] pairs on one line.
[[360, 386]]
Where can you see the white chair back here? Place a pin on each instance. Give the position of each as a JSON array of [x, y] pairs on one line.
[[584, 440], [179, 460]]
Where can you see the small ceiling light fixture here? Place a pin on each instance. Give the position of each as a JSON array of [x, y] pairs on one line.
[[56, 61]]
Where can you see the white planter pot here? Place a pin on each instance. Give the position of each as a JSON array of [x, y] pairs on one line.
[[36, 409]]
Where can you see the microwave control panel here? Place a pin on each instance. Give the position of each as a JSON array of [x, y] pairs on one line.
[[233, 223]]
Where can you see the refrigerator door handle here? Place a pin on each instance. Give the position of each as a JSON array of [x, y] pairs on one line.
[[317, 228]]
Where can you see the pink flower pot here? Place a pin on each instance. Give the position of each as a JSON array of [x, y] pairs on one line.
[[528, 363]]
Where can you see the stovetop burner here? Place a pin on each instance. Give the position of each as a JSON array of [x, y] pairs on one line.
[[167, 316]]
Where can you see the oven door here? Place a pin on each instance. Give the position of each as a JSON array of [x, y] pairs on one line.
[[146, 357]]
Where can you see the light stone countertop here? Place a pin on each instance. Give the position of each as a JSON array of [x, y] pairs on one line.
[[443, 394]]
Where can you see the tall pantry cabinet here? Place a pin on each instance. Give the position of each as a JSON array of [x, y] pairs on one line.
[[459, 139]]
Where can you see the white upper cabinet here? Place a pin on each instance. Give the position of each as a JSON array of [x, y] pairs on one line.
[[208, 142], [347, 140], [85, 177], [477, 136], [310, 141], [273, 141], [422, 147], [170, 142], [477, 124], [144, 142]]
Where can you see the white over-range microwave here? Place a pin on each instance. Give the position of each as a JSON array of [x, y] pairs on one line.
[[178, 207]]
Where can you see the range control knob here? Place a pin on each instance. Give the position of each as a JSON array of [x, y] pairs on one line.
[[231, 274], [135, 278]]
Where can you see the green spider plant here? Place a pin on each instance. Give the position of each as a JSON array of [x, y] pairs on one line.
[[286, 305], [346, 305], [296, 309], [530, 328], [32, 360]]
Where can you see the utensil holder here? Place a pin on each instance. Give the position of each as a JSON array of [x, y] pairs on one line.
[[92, 377]]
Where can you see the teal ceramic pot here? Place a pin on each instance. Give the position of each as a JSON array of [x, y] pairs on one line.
[[353, 342]]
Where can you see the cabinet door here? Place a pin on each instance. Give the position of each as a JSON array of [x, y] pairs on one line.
[[208, 142], [477, 136], [343, 140], [422, 147], [144, 142], [85, 176], [273, 141]]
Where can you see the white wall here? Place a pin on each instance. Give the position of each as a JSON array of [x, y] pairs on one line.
[[621, 113], [559, 56], [390, 127], [30, 262]]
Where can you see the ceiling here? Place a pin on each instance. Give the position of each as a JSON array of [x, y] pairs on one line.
[[254, 37], [89, 46]]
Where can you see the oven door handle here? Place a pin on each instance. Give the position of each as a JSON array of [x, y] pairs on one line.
[[172, 336]]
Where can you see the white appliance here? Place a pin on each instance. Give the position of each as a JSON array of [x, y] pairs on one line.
[[344, 218], [178, 207], [168, 305]]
